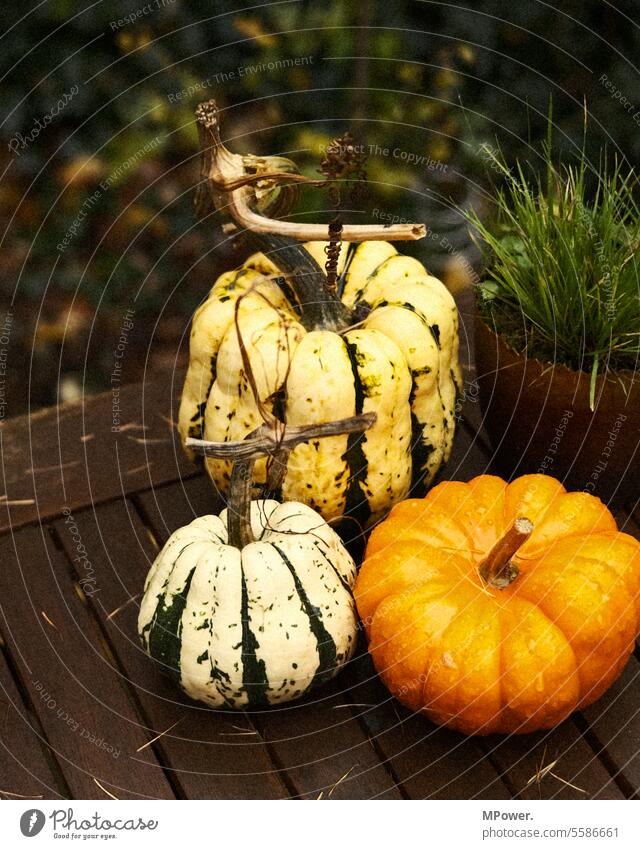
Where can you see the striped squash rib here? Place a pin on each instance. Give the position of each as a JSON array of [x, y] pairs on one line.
[[400, 360]]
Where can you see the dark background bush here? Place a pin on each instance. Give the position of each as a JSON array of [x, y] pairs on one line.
[[434, 80]]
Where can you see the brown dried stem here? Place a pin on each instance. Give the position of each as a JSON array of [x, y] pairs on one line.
[[497, 569], [267, 440], [272, 439], [343, 161], [224, 185]]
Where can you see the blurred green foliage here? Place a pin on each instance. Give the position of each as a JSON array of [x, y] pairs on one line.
[[431, 83]]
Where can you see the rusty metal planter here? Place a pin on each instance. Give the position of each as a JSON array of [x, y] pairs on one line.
[[538, 419]]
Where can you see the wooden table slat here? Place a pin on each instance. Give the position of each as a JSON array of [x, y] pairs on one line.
[[70, 456], [324, 751], [25, 764], [521, 758], [90, 723], [613, 723]]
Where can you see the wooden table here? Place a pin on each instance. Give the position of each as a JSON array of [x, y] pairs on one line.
[[86, 714]]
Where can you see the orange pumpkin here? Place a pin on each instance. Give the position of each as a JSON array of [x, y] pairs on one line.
[[496, 607]]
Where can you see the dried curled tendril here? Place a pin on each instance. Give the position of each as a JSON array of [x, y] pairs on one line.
[[343, 162]]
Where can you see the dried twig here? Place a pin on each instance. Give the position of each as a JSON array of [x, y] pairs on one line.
[[240, 732], [144, 467], [343, 160], [16, 502], [18, 795], [542, 771], [266, 415], [340, 780], [46, 619], [567, 783], [142, 440], [56, 468], [158, 736], [104, 790], [225, 185], [264, 440], [132, 426], [122, 606], [173, 425]]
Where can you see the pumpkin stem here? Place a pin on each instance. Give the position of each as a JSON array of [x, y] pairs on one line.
[[497, 569], [272, 439], [321, 308], [239, 504]]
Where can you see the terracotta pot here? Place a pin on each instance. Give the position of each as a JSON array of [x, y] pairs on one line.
[[538, 419]]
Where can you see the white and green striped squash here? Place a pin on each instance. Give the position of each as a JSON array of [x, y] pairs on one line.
[[394, 351], [257, 626]]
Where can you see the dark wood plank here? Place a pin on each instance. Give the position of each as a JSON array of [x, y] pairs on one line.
[[72, 456], [613, 724], [210, 754], [632, 507], [90, 723], [25, 768], [323, 750], [523, 757], [169, 507]]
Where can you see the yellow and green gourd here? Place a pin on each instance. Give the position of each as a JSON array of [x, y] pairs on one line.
[[385, 341]]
